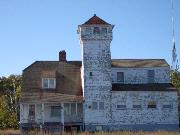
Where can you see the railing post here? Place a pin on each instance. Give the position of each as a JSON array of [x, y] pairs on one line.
[[62, 116]]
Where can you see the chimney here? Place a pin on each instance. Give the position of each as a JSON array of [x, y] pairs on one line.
[[62, 55]]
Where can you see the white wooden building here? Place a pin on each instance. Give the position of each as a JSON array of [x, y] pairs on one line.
[[98, 93]]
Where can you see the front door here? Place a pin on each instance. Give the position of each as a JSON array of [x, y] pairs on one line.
[[32, 113]]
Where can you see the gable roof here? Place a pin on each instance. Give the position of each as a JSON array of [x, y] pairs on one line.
[[95, 20], [119, 63], [139, 63]]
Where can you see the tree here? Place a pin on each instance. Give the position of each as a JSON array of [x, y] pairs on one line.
[[10, 90], [11, 87], [176, 79], [8, 118]]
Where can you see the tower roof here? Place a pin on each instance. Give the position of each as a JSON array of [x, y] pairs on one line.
[[95, 20]]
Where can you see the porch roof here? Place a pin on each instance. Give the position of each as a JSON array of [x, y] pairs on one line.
[[43, 97]]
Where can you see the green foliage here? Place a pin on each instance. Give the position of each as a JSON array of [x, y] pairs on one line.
[[176, 79], [8, 118], [10, 89]]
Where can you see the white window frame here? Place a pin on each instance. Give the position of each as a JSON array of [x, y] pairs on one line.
[[48, 83]]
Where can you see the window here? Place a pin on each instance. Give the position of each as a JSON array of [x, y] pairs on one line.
[[151, 76], [120, 77], [66, 109], [49, 83], [121, 107], [55, 111], [104, 30], [152, 104], [96, 30], [45, 83], [31, 110], [73, 108], [137, 106], [90, 74], [167, 106], [88, 30], [103, 52], [94, 106], [101, 105], [79, 108]]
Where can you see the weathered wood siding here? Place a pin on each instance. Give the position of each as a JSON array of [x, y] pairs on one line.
[[140, 75]]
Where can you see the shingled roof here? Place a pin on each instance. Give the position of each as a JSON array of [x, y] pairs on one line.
[[68, 82], [95, 20], [69, 85], [143, 87], [139, 63]]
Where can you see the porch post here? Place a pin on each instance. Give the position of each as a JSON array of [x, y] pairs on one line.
[[21, 113], [43, 113], [62, 116], [76, 109]]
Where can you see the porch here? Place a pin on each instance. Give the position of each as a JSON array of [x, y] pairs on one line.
[[53, 117]]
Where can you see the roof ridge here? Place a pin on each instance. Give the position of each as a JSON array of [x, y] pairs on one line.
[[95, 20]]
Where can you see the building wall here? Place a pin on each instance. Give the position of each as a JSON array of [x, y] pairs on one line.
[[96, 72], [98, 85], [144, 115], [143, 118], [140, 75]]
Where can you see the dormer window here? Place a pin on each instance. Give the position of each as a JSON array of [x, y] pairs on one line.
[[96, 30], [48, 83]]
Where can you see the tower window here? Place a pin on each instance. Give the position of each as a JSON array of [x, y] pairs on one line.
[[96, 30], [104, 30], [103, 52], [88, 30]]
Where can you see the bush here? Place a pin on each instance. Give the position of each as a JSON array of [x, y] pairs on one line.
[[8, 117]]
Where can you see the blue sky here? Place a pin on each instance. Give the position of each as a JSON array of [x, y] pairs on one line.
[[33, 30]]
